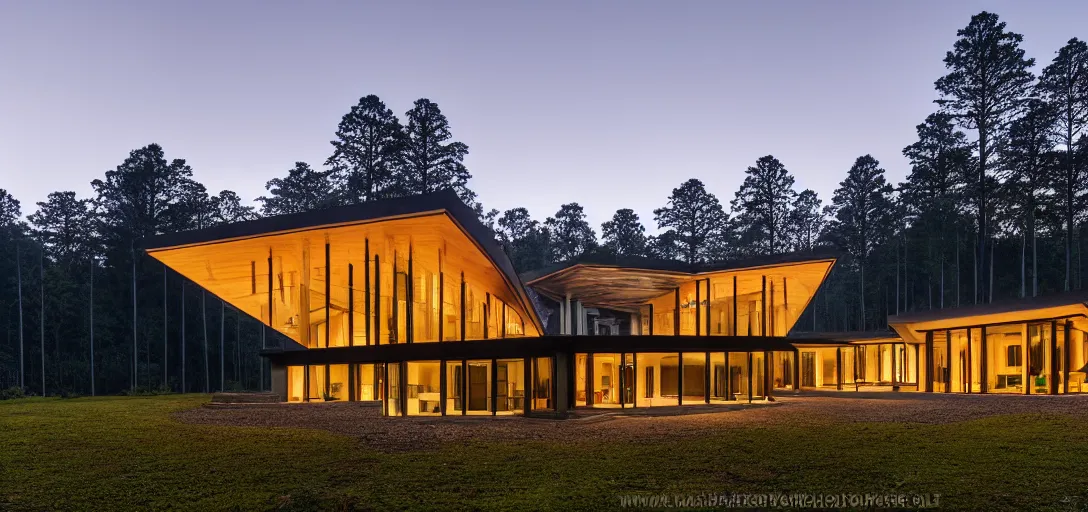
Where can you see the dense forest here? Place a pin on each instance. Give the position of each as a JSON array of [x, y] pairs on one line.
[[993, 207]]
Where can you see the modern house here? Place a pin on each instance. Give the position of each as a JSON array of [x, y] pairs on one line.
[[412, 302]]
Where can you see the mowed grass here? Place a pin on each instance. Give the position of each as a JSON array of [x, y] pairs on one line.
[[118, 453]]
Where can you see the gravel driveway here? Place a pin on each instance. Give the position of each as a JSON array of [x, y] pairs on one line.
[[414, 433]]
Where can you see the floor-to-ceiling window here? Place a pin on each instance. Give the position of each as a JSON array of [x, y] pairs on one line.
[[606, 380], [694, 378], [1077, 345], [719, 377], [542, 376], [510, 386], [392, 399], [424, 388], [479, 387], [316, 391], [1039, 354], [296, 383], [657, 381], [338, 382], [455, 387], [939, 365], [783, 370], [1005, 367], [368, 382]]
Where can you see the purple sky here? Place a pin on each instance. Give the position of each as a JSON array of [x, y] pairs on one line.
[[610, 104]]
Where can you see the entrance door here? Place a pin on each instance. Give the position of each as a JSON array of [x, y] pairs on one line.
[[628, 383], [808, 369], [477, 387]]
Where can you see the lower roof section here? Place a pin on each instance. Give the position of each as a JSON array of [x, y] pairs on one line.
[[535, 347], [1073, 305]]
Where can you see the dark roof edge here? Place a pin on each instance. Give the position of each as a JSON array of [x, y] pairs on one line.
[[1003, 306], [651, 264]]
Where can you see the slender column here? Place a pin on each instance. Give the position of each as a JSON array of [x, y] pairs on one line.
[[530, 392], [651, 319], [443, 379], [1066, 358], [222, 345], [463, 293], [769, 308], [403, 388], [768, 376], [351, 305], [589, 380], [464, 372], [566, 315], [735, 306], [502, 320], [838, 368], [304, 298], [708, 308], [269, 292], [385, 391], [698, 307], [680, 378], [1053, 357], [495, 386], [634, 379], [706, 378], [728, 377], [967, 387], [948, 365], [749, 377], [763, 309], [441, 304], [929, 362], [487, 315], [394, 334], [984, 368], [328, 297], [797, 368], [377, 302], [409, 299], [366, 293], [676, 313]]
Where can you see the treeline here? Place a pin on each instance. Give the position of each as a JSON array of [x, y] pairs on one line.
[[993, 207]]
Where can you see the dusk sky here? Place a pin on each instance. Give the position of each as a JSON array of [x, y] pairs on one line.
[[611, 104]]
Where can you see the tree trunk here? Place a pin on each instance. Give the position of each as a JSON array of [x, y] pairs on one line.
[[135, 368], [92, 323], [41, 311], [1023, 263], [19, 278]]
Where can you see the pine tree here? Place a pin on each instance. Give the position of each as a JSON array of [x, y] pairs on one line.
[[624, 235], [862, 216], [571, 235], [696, 217], [987, 81], [805, 222], [762, 206], [525, 240], [303, 189], [367, 151], [1064, 85], [432, 161]]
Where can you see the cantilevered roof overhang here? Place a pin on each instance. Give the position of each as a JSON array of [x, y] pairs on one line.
[[624, 284], [213, 257], [1072, 305]]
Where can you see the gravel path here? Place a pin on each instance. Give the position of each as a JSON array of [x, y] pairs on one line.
[[414, 433]]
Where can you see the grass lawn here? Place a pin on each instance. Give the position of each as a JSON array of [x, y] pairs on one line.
[[120, 453]]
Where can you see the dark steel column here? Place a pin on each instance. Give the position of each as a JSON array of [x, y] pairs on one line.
[[706, 377], [948, 363], [378, 300], [1066, 358], [680, 379], [698, 306], [530, 391], [366, 293], [394, 333], [463, 310], [736, 306], [495, 386], [409, 299], [676, 314], [984, 368], [929, 362], [1053, 357], [443, 381], [328, 299], [351, 305], [838, 368]]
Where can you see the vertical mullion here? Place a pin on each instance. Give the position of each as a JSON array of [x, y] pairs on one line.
[[328, 297], [706, 378], [680, 378], [366, 292], [409, 300], [378, 302], [463, 312], [351, 305]]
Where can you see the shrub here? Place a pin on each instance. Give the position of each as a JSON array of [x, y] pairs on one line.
[[12, 393]]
